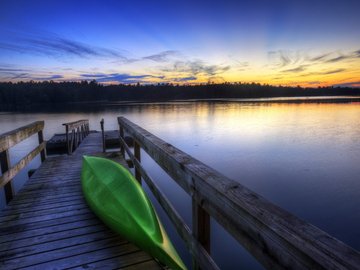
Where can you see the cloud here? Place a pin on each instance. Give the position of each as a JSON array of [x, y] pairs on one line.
[[338, 59], [121, 77], [298, 69], [282, 58], [314, 82], [162, 56], [332, 71], [196, 67], [52, 77], [319, 57], [326, 72], [349, 84], [53, 45], [185, 79], [12, 69], [20, 76]]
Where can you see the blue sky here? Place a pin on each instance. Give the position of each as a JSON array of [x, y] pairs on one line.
[[280, 42]]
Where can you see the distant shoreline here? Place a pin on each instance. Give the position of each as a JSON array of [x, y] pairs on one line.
[[103, 104], [40, 96]]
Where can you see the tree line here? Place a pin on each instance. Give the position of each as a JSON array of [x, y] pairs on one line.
[[20, 94]]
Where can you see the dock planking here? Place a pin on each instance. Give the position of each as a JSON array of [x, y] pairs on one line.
[[49, 226]]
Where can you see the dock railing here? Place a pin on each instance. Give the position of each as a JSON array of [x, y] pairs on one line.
[[75, 132], [276, 238], [11, 138]]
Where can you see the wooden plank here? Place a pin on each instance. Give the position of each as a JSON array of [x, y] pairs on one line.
[[13, 137], [85, 238], [18, 219], [201, 229], [50, 226], [76, 124], [12, 172], [137, 153], [148, 265], [21, 231], [5, 166], [64, 257], [128, 260], [25, 198], [41, 140], [48, 207], [198, 251], [274, 236], [50, 237]]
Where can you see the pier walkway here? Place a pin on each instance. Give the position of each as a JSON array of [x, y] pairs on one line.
[[48, 225]]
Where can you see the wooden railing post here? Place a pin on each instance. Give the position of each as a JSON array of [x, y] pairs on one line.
[[103, 134], [67, 139], [121, 134], [137, 151], [201, 228], [43, 152], [5, 165]]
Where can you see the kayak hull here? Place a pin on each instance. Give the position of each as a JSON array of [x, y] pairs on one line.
[[119, 201]]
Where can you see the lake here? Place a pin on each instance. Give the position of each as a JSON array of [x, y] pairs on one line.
[[304, 157]]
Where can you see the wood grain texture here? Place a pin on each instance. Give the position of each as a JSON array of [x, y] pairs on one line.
[[49, 226], [278, 239], [13, 137]]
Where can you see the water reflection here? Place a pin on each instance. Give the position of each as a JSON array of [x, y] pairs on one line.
[[303, 157]]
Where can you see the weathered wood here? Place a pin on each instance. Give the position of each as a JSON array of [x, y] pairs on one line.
[[76, 124], [121, 136], [11, 138], [198, 251], [12, 172], [137, 154], [103, 134], [41, 140], [49, 226], [5, 166], [275, 237], [201, 229], [75, 132], [135, 260]]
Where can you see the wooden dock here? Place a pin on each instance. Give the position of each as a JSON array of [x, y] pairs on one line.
[[49, 226]]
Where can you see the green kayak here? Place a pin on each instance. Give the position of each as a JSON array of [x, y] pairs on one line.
[[118, 200]]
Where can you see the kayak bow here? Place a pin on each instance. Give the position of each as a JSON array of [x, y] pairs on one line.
[[119, 201]]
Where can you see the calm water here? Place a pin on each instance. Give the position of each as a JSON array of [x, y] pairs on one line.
[[302, 157]]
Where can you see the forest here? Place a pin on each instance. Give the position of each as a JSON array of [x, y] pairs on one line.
[[26, 94]]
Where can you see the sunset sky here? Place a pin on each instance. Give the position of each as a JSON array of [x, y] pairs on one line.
[[300, 42]]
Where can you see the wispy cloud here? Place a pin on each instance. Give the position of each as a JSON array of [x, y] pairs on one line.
[[338, 58], [12, 69], [120, 77], [162, 56], [319, 57], [332, 71], [185, 79], [196, 67], [283, 58], [349, 84], [298, 69], [46, 78], [325, 72], [53, 45]]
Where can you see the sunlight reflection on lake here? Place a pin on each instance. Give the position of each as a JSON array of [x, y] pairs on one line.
[[303, 157]]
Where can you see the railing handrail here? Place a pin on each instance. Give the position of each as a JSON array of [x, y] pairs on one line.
[[278, 239], [11, 138], [75, 132], [75, 124]]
